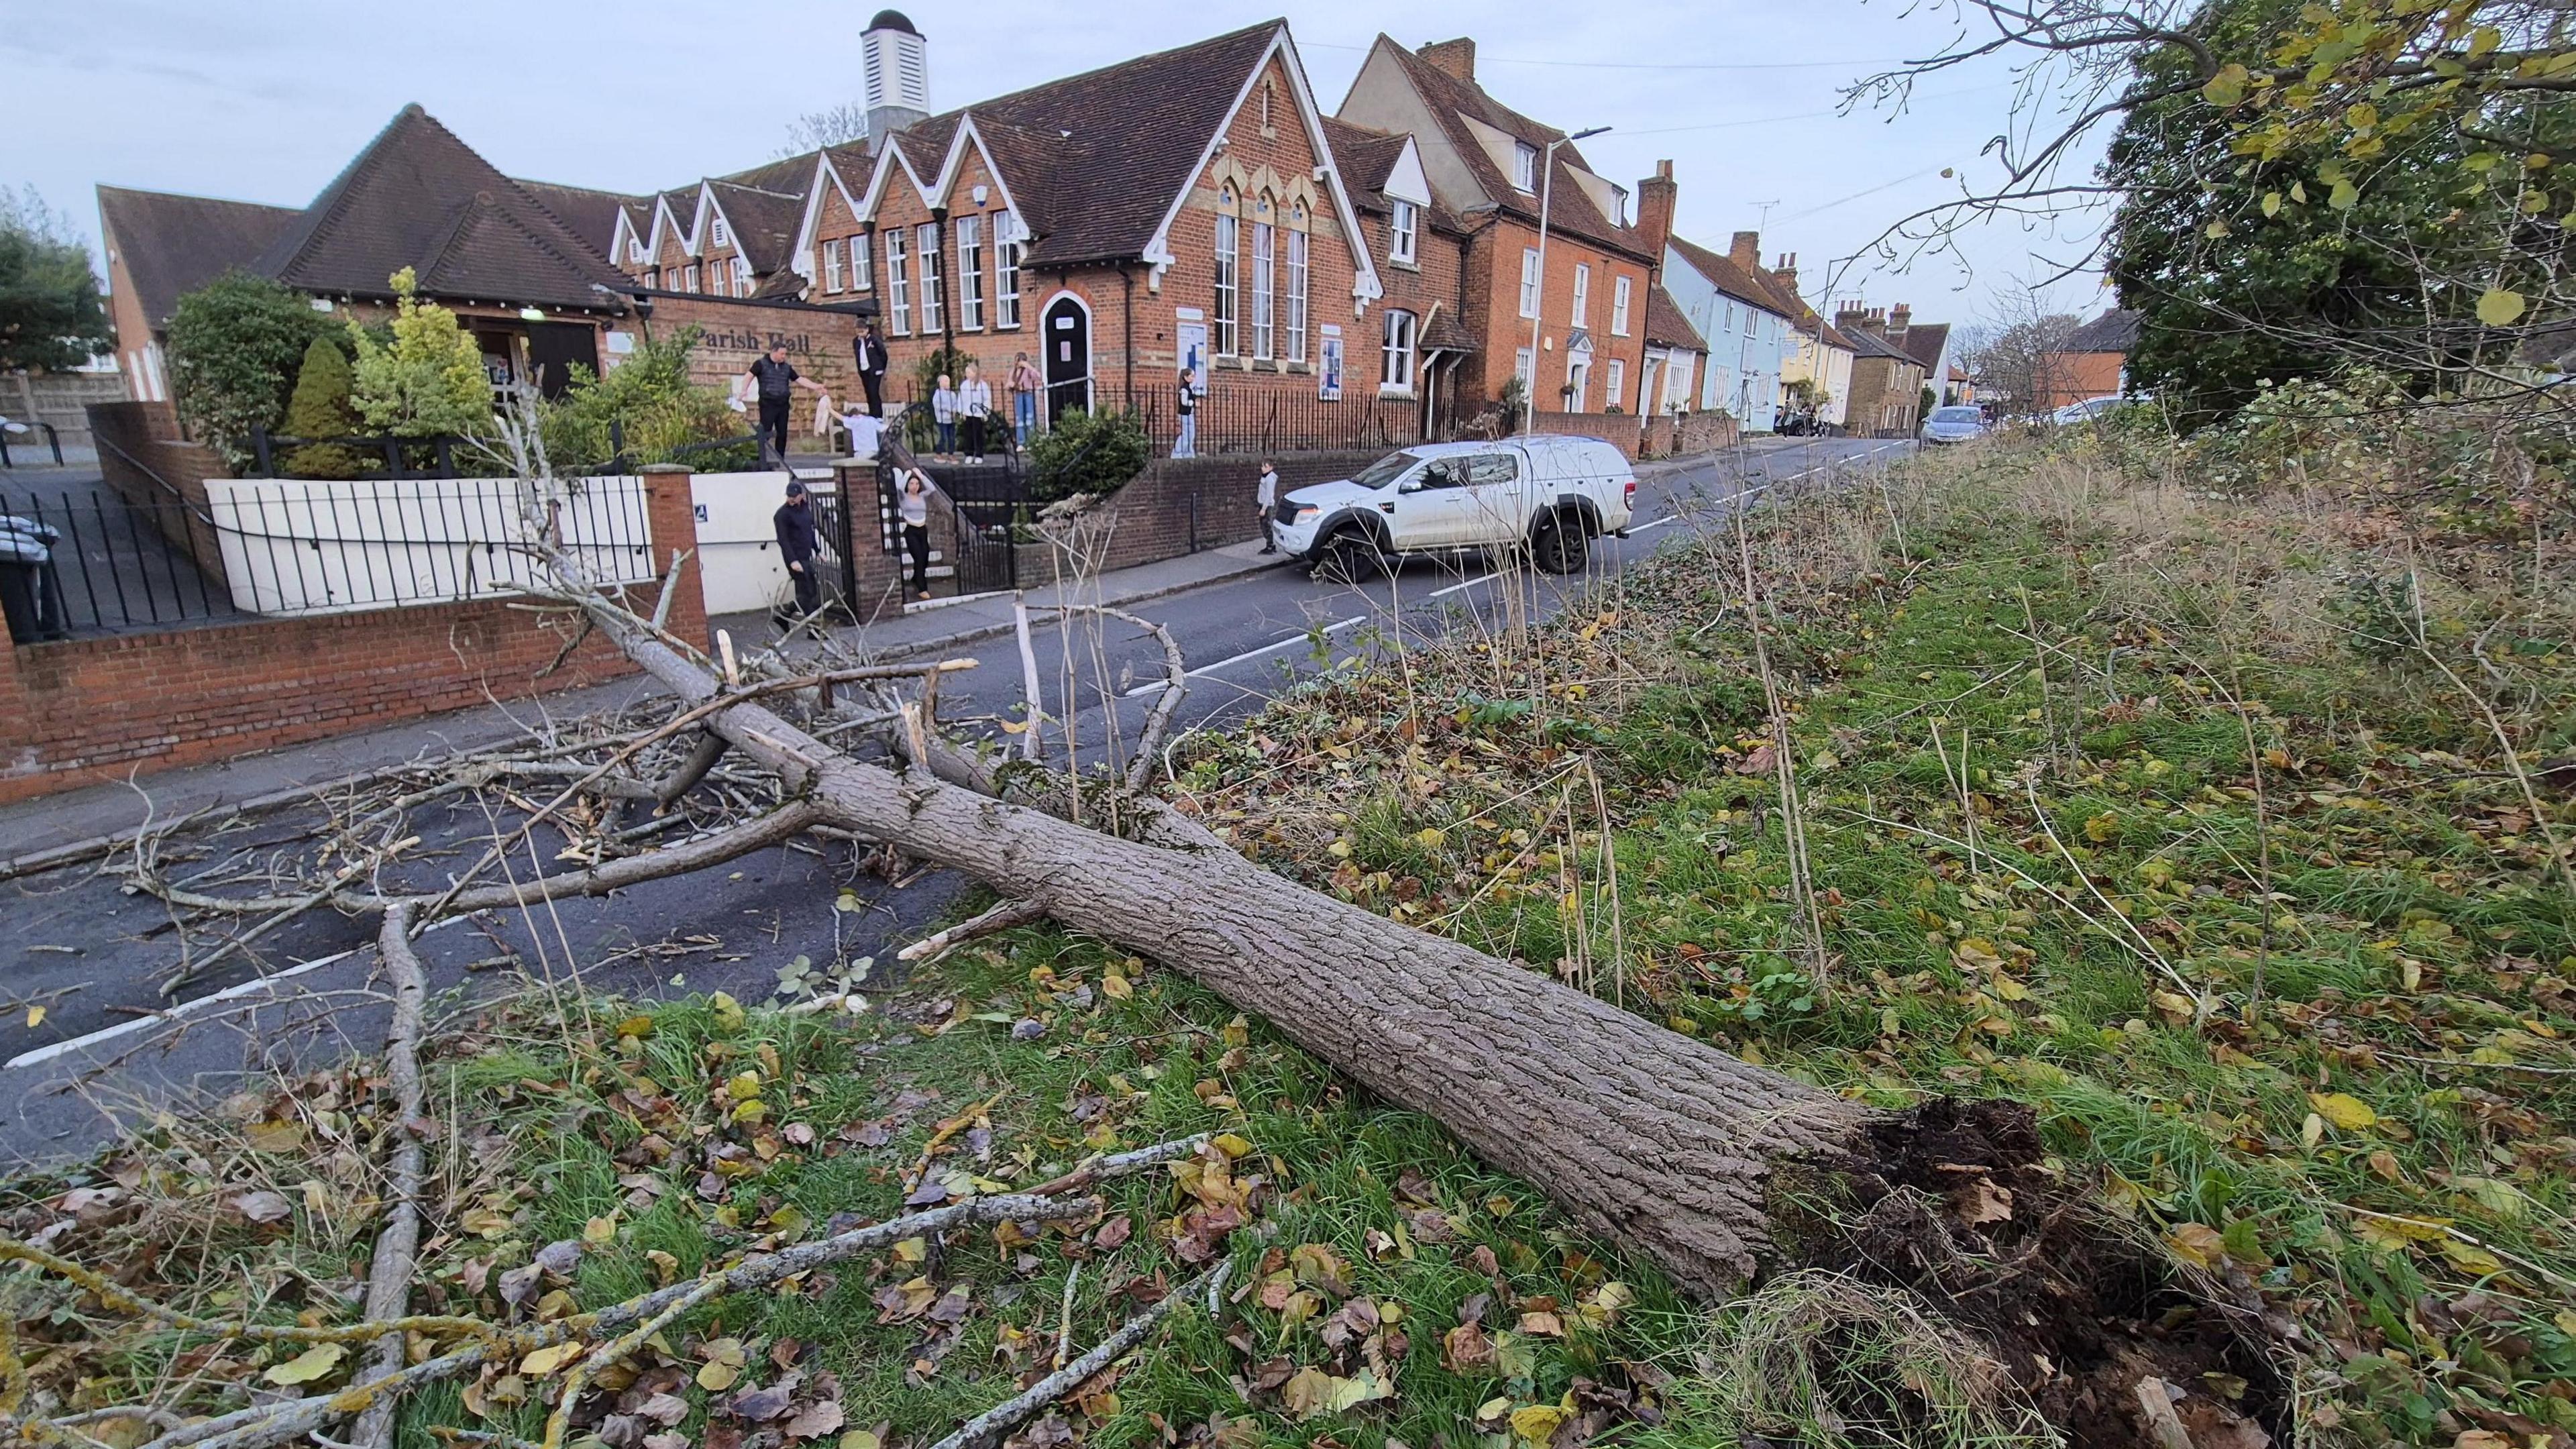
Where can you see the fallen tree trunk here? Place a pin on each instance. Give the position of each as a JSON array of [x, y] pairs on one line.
[[1646, 1137]]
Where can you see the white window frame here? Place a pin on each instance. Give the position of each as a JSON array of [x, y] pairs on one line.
[[690, 276], [1399, 341], [970, 272], [1226, 311], [719, 235], [1006, 270], [1265, 249], [1616, 381], [832, 267], [1578, 373], [1525, 166], [1404, 219], [1582, 294], [861, 274], [1622, 291], [1525, 368], [741, 270], [925, 245], [898, 284], [1529, 282], [1297, 271]]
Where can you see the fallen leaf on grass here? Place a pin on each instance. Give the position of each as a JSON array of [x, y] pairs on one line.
[[2343, 1110], [263, 1206], [1312, 1393], [815, 1420], [543, 1361], [307, 1366]]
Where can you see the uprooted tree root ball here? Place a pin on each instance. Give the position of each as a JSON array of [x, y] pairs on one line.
[[1954, 1283]]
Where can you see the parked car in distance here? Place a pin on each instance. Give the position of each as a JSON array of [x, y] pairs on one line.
[[2087, 410], [1958, 423], [1552, 496]]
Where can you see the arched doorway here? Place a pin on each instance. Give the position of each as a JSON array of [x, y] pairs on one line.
[[1067, 328]]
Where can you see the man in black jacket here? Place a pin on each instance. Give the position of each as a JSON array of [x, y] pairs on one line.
[[870, 356], [798, 542], [773, 378]]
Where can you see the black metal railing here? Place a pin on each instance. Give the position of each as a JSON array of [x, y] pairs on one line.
[[87, 561], [53, 441]]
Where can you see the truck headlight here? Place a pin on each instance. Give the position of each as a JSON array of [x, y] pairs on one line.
[[1306, 514]]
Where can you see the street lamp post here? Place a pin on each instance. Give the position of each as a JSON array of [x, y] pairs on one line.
[[1538, 314]]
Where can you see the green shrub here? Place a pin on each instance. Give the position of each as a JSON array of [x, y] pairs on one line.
[[1086, 452], [320, 409], [650, 404], [428, 381], [235, 346]]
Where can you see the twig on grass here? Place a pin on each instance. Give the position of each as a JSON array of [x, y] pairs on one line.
[[1045, 1391], [397, 1246]]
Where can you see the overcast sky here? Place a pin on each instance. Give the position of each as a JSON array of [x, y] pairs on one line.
[[264, 100]]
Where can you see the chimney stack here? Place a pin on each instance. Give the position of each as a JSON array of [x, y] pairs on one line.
[[1746, 250], [1655, 198], [1897, 319], [1455, 57], [1787, 271]]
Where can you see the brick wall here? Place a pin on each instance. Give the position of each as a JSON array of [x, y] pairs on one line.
[[97, 709], [135, 436], [1620, 430]]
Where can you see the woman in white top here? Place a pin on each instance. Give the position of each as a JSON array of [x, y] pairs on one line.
[[974, 405], [915, 503]]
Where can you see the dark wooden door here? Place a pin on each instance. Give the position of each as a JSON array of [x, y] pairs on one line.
[[1068, 357], [552, 349]]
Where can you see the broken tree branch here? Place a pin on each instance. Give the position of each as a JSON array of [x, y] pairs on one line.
[[398, 1244], [1002, 1417]]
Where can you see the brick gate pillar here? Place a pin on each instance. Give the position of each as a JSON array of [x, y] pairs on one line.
[[672, 511]]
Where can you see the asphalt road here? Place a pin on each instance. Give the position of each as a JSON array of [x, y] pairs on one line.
[[110, 1046]]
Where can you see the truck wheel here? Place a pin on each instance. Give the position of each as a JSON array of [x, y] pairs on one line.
[[1353, 557], [1558, 546]]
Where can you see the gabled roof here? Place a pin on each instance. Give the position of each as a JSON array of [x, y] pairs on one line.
[[592, 215], [1455, 102], [1667, 325], [1095, 160], [418, 197], [764, 222], [2114, 331], [172, 245], [1366, 158], [1869, 344], [1752, 287], [1925, 342]]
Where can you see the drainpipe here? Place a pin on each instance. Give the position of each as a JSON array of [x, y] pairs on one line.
[[947, 314], [1127, 328]]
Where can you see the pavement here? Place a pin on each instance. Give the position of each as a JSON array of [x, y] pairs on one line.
[[109, 1047]]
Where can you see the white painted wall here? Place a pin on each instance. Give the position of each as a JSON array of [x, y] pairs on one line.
[[294, 547], [738, 542]]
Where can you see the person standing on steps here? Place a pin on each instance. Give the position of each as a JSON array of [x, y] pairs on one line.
[[798, 543], [1267, 491], [916, 529], [1025, 387], [774, 380], [870, 356], [943, 411], [1186, 407], [974, 407]]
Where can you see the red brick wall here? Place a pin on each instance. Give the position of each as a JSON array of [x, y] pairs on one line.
[[1620, 430], [732, 334], [1494, 266], [98, 709]]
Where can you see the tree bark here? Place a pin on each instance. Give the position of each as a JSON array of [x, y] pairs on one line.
[[1646, 1137]]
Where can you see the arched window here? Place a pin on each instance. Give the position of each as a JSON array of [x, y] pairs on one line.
[[1225, 313], [1294, 345], [1265, 250], [1395, 354]]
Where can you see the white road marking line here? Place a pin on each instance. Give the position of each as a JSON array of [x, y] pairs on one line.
[[1658, 523], [1271, 648], [1453, 588], [41, 1055]]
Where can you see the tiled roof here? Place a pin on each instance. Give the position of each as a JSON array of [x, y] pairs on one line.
[[764, 221], [1095, 160], [2114, 331], [1925, 341], [1870, 344], [172, 245], [1570, 210], [418, 197], [1365, 157], [1753, 287], [592, 215], [1667, 326], [1443, 332]]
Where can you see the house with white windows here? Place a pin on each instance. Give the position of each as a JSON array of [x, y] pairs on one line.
[[1746, 323]]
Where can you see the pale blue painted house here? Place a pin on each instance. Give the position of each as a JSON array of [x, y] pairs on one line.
[[1739, 310]]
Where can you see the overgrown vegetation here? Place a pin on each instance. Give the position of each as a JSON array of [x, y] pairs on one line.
[[237, 345], [648, 407], [2213, 801], [425, 378], [52, 315], [1087, 452]]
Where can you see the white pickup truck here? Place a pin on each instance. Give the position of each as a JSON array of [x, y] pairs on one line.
[[1550, 495]]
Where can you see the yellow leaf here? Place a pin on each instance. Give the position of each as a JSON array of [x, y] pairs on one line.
[[729, 1013], [275, 1136], [2344, 1110], [2498, 307], [307, 1366], [744, 1086], [544, 1361], [600, 1230], [2197, 1243], [912, 1250], [35, 1016], [2469, 1257], [636, 1026], [715, 1378], [1430, 838], [860, 1439], [1231, 1145], [2227, 88], [1537, 1424], [1117, 988]]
